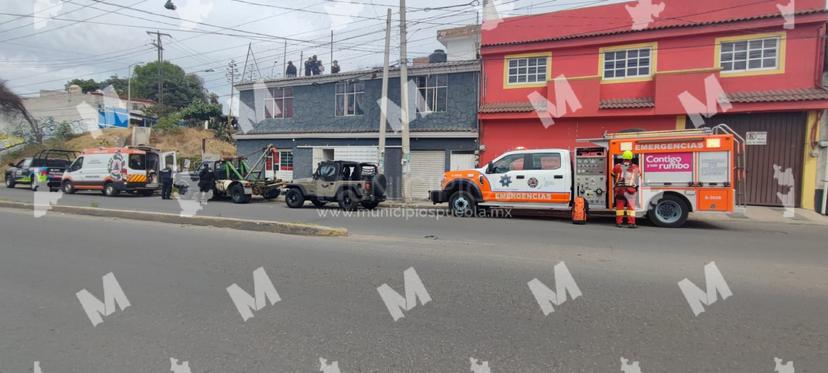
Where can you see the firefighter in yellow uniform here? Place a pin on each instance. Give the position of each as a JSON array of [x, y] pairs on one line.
[[625, 176]]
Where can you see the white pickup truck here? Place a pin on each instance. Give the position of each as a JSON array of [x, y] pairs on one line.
[[681, 171]]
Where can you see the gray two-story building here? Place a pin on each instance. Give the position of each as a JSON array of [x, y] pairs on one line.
[[337, 117]]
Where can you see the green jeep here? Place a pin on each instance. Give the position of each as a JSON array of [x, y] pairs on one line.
[[348, 183]]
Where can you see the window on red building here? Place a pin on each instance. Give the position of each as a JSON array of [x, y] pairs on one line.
[[748, 55], [527, 70], [627, 63]]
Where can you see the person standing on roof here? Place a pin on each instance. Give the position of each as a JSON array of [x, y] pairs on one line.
[[290, 71], [625, 176], [335, 67], [308, 66]]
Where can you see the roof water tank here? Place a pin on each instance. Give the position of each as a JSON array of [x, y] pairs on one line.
[[438, 56]]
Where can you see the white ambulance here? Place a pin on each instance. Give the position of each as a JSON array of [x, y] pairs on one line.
[[115, 170]]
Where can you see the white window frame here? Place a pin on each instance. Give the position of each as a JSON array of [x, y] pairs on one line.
[[752, 50], [270, 103], [432, 89], [533, 70], [282, 156], [627, 60], [350, 92]]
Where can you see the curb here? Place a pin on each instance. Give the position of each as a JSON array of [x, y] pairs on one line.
[[232, 223]]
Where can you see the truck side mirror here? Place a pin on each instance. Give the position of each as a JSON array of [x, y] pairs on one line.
[[490, 168]]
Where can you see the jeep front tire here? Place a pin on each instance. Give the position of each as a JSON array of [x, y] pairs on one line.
[[294, 198]]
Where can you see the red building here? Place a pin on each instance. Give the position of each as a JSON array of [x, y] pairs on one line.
[[645, 75]]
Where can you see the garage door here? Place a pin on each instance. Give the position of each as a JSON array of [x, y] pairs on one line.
[[462, 161], [345, 153], [783, 150], [427, 169]]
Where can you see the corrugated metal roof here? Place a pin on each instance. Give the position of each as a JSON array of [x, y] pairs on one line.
[[626, 29]]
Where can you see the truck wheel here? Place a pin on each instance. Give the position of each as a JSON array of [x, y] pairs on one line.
[[462, 204], [110, 191], [237, 194], [370, 205], [271, 194], [294, 198], [9, 182], [318, 203], [669, 212], [147, 193], [68, 187], [347, 200]]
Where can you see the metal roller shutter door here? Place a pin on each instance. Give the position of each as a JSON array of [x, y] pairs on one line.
[[427, 169], [463, 161], [784, 148]]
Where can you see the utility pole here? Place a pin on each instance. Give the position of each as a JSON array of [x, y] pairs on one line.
[[232, 71], [284, 61], [384, 97], [330, 62], [160, 47], [406, 144]]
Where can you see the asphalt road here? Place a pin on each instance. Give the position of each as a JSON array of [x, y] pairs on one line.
[[535, 228], [176, 278]]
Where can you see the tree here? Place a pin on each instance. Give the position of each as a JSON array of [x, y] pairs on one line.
[[86, 85], [11, 106], [201, 111], [120, 85], [180, 88]]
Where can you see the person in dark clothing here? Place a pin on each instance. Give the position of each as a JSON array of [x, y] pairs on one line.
[[206, 181], [290, 71], [166, 176], [335, 67], [315, 65], [308, 66]]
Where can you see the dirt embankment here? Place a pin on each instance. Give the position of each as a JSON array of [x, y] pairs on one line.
[[186, 142]]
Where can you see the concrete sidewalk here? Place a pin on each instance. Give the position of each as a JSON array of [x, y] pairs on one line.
[[756, 214], [764, 214]]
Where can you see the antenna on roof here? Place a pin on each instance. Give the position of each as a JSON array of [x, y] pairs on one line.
[[251, 71]]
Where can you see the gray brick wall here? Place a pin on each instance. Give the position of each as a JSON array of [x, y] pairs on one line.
[[314, 108]]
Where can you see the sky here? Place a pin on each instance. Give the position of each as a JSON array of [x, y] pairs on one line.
[[45, 43]]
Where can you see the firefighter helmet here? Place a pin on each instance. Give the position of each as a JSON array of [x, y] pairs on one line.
[[627, 156]]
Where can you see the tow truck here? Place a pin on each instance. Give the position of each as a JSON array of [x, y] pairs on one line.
[[236, 179], [681, 171]]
